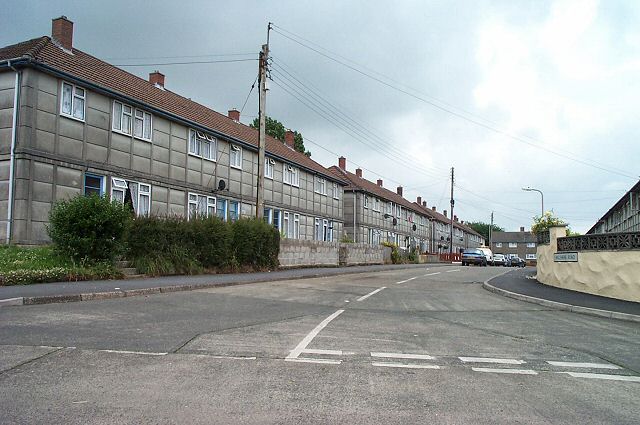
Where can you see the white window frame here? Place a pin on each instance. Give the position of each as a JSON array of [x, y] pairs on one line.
[[530, 257], [366, 201], [269, 164], [291, 225], [235, 157], [398, 211], [146, 125], [197, 141], [195, 199], [531, 244], [142, 195], [498, 244], [336, 191], [78, 94], [119, 185], [513, 244], [320, 186], [130, 115], [291, 175], [376, 204]]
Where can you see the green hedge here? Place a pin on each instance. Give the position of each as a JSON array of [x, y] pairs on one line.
[[176, 245]]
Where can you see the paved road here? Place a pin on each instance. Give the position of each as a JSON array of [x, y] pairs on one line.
[[421, 345]]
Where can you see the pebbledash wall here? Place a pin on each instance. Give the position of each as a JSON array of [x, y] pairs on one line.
[[302, 253], [613, 274]]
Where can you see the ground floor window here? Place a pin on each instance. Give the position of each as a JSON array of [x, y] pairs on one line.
[[221, 209], [291, 225], [374, 236], [234, 210], [323, 230], [93, 185], [138, 194], [272, 216], [531, 256], [201, 206]]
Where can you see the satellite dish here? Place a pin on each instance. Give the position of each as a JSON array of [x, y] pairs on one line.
[[414, 227], [221, 184], [395, 221]]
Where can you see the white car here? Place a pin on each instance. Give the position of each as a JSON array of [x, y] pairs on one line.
[[499, 260], [488, 254]]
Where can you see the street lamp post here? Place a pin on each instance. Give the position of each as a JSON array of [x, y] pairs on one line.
[[530, 189]]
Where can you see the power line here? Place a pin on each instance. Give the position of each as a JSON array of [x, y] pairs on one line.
[[449, 109], [183, 56], [175, 63], [250, 90]]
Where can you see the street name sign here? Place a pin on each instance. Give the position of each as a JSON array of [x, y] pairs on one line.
[[565, 257]]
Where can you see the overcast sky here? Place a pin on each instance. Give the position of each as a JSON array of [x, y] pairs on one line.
[[511, 93]]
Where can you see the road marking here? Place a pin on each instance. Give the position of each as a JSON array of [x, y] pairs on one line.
[[405, 366], [586, 365], [603, 376], [451, 271], [144, 353], [327, 352], [431, 274], [319, 361], [403, 356], [406, 280], [514, 371], [230, 357], [307, 339], [364, 297], [490, 360]]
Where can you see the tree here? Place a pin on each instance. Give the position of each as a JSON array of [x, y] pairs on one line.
[[276, 129], [542, 224], [483, 228]]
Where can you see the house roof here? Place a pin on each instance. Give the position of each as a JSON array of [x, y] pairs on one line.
[[616, 206], [84, 67], [444, 219], [513, 237]]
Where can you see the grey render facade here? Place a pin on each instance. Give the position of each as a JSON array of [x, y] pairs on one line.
[[374, 214], [623, 217], [72, 124], [522, 244]]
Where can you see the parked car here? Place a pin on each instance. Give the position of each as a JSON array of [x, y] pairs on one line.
[[487, 254], [473, 256], [517, 262], [499, 260]]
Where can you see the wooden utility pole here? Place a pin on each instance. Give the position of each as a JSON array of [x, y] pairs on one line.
[[491, 230], [452, 204], [262, 80]]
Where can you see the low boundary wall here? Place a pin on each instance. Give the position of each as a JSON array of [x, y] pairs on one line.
[[605, 272], [303, 253]]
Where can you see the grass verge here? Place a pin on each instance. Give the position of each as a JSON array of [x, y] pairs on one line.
[[24, 266]]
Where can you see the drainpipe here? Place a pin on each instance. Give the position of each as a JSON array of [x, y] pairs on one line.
[[355, 203], [12, 153]]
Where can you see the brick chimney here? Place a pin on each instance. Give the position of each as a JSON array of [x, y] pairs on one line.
[[522, 228], [455, 218], [289, 137], [419, 200], [380, 182], [399, 190], [359, 172], [424, 204], [444, 213], [157, 78], [62, 32], [342, 163], [234, 114], [433, 208]]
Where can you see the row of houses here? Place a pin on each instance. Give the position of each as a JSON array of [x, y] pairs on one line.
[[73, 124]]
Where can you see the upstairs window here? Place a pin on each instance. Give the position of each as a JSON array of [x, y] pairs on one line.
[[73, 101], [125, 117], [398, 210], [321, 186], [291, 175], [531, 244], [202, 144], [335, 190], [268, 167], [236, 156], [366, 201], [389, 208], [513, 244], [498, 244], [376, 204]]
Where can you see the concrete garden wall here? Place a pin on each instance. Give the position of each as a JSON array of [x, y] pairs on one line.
[[303, 253]]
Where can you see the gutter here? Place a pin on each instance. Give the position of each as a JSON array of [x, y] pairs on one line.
[[12, 152]]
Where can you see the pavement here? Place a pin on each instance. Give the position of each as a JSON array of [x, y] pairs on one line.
[[519, 284], [522, 285]]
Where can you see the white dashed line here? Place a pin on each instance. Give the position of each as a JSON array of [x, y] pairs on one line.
[[406, 280], [431, 274], [513, 371], [327, 352], [451, 271], [403, 356], [364, 297], [584, 365], [307, 339], [144, 353], [405, 366], [603, 376], [490, 360], [318, 361]]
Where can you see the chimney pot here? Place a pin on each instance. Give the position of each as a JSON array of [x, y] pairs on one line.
[[419, 200], [380, 182], [234, 114], [444, 213], [342, 163], [289, 139], [522, 228], [156, 78], [455, 218], [424, 204], [433, 208], [62, 32], [359, 172], [399, 190]]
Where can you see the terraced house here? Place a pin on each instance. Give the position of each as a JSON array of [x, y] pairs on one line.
[[73, 124], [374, 214]]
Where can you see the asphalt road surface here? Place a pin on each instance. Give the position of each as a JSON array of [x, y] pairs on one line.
[[421, 345]]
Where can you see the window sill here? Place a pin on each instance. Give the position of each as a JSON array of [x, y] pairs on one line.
[[202, 157], [237, 167], [71, 117]]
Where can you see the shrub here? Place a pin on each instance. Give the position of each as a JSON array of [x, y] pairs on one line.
[[255, 243], [395, 254], [544, 222], [89, 228]]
